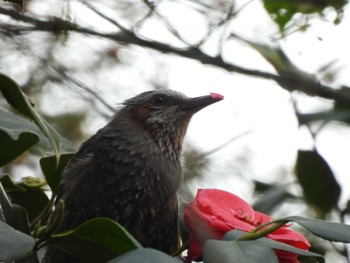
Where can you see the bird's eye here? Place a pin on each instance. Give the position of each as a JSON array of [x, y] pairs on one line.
[[159, 100]]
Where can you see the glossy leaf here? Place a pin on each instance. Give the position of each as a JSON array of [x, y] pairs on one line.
[[327, 230], [98, 240], [280, 11], [260, 187], [281, 246], [237, 251], [15, 137], [304, 259], [145, 255], [20, 222], [5, 206], [14, 125], [270, 199], [284, 66], [283, 11], [14, 245], [320, 187], [33, 199], [18, 100], [15, 215], [342, 115], [8, 184], [278, 59], [52, 171], [235, 235]]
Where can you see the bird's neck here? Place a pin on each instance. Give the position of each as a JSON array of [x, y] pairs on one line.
[[160, 146]]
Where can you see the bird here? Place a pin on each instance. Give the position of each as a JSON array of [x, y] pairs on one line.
[[131, 169]]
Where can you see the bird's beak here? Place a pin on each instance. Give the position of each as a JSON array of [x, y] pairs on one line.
[[198, 103]]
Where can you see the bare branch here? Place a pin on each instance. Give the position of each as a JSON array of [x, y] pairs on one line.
[[127, 37]]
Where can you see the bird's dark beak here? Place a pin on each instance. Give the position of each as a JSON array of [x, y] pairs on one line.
[[198, 103]]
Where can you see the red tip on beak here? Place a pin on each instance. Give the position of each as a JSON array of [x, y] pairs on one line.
[[216, 96]]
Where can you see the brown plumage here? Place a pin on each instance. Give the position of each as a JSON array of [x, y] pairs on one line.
[[130, 170]]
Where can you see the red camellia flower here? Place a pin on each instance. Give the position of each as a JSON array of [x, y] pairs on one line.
[[215, 212]]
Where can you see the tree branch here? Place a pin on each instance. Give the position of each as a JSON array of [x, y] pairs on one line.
[[126, 37]]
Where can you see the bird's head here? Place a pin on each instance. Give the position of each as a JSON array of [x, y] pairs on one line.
[[165, 114]]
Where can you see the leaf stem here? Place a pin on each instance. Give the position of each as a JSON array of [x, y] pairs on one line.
[[45, 213], [257, 233]]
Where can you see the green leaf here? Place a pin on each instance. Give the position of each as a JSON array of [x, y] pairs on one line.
[[33, 199], [14, 125], [14, 245], [260, 187], [347, 208], [304, 259], [283, 11], [281, 246], [280, 11], [234, 235], [18, 100], [13, 215], [15, 137], [145, 255], [8, 184], [97, 240], [16, 216], [270, 199], [237, 251], [320, 187], [276, 57], [52, 171], [20, 221], [327, 230], [5, 206], [342, 115], [14, 96], [294, 76]]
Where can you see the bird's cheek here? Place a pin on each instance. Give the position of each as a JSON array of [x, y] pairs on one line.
[[140, 113]]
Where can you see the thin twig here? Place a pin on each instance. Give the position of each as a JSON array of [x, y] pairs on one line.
[[86, 89], [112, 21], [167, 24], [56, 25]]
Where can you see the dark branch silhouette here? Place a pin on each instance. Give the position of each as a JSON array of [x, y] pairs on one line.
[[127, 37]]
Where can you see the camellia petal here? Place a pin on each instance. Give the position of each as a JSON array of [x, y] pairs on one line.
[[225, 204], [194, 249], [215, 212], [260, 218], [289, 236]]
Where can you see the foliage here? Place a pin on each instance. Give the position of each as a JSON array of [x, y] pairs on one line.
[[283, 11], [23, 131], [323, 196]]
